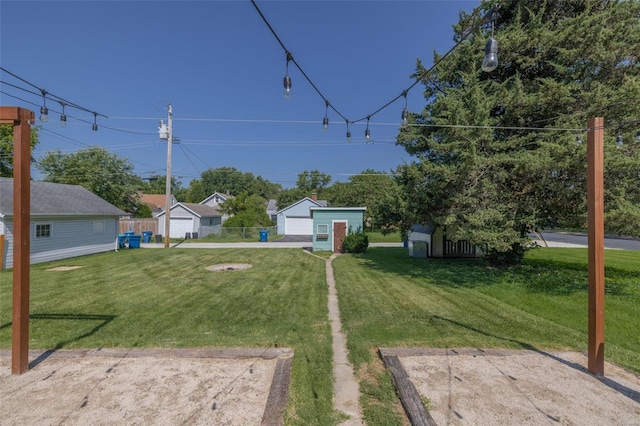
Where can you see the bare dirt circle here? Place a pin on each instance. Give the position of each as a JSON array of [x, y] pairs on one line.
[[222, 267]]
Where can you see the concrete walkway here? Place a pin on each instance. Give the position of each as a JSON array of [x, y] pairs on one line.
[[346, 392]]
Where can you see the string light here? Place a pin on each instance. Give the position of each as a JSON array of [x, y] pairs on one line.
[[63, 116], [44, 111], [579, 140], [325, 120], [490, 61], [489, 16], [367, 133], [287, 79], [405, 112]]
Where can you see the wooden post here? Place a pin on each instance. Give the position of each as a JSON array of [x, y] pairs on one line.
[[20, 118], [595, 212]]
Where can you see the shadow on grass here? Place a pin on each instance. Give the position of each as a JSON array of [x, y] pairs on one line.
[[104, 320], [545, 276], [624, 390]]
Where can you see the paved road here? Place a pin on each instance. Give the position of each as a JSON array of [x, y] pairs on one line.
[[575, 239]]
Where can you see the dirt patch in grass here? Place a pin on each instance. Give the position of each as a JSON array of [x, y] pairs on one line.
[[64, 268], [222, 267]]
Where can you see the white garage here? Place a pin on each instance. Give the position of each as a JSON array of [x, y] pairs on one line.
[[190, 218], [296, 218], [180, 226], [298, 226]]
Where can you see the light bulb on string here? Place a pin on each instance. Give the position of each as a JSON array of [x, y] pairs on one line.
[[367, 133], [405, 111], [44, 111], [287, 79], [619, 140], [95, 123], [490, 61], [63, 116], [325, 120], [348, 132]]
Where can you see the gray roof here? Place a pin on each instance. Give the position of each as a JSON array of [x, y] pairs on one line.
[[55, 199], [200, 210]]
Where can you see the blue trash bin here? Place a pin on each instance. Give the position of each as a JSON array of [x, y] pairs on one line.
[[134, 241], [121, 240], [264, 236], [146, 236]]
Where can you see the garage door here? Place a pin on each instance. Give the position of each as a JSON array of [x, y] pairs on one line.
[[180, 226], [298, 226]]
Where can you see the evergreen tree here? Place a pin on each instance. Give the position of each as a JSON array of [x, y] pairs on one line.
[[488, 164]]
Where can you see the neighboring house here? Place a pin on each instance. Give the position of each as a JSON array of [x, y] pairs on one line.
[[191, 220], [332, 224], [156, 202], [296, 218], [215, 200], [272, 210], [66, 221], [427, 241]]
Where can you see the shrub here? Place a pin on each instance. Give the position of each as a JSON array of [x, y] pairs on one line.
[[355, 243]]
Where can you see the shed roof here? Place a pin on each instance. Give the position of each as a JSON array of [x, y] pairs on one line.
[[56, 199]]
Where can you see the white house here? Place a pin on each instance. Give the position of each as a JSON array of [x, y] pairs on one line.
[[66, 221]]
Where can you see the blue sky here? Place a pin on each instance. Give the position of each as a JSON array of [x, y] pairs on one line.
[[220, 67]]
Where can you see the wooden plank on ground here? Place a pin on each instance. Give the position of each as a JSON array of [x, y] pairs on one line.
[[409, 396], [278, 394]]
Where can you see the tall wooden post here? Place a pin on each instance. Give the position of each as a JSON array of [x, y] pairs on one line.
[[21, 120], [595, 212]]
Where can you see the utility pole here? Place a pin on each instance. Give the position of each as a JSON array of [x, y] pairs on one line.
[[166, 132]]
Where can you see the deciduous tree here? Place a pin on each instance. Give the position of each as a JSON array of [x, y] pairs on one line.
[[107, 175]]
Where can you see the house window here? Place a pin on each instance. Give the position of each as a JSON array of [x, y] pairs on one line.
[[322, 231], [43, 230], [98, 226]]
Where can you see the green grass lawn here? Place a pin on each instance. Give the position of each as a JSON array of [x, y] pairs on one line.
[[166, 298], [389, 299], [377, 237]]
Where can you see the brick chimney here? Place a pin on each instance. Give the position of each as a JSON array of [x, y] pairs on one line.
[[314, 196]]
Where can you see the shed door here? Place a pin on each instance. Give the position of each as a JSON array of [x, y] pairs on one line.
[[298, 226], [180, 226], [339, 232]]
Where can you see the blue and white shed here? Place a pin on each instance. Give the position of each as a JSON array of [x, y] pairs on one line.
[[332, 224]]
